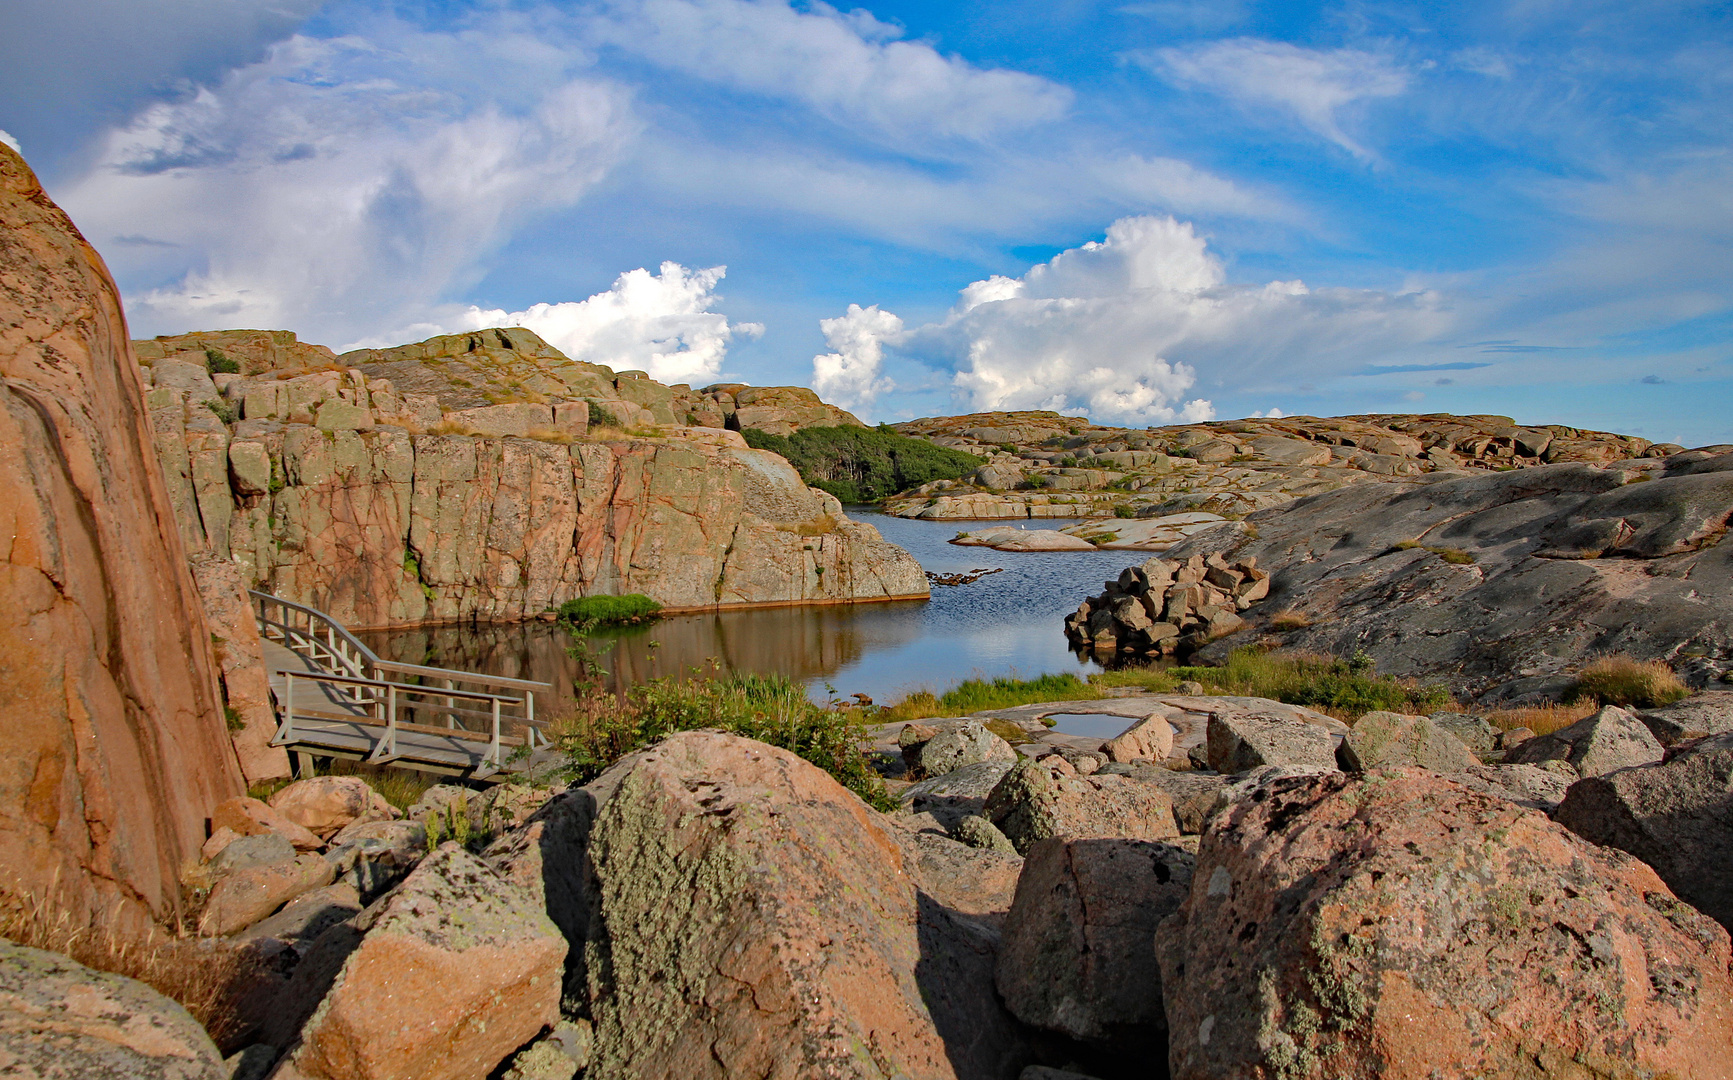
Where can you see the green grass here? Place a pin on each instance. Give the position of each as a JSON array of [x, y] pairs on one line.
[[1326, 683], [863, 465], [974, 695], [218, 364], [589, 612], [770, 708], [601, 417]]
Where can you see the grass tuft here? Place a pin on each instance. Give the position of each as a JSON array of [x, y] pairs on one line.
[[774, 709], [588, 612], [208, 978], [1345, 689], [975, 695], [1621, 680]]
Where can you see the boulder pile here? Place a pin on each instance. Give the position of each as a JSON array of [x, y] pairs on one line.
[[1167, 608]]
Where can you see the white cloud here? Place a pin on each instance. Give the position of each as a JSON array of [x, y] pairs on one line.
[[849, 377], [1127, 328], [333, 189], [1315, 86], [651, 322], [850, 67], [1270, 414], [6, 137]]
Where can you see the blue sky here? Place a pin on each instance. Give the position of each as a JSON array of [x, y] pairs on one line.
[[1146, 211]]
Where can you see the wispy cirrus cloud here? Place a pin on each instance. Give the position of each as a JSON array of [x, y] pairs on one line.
[[1315, 87]]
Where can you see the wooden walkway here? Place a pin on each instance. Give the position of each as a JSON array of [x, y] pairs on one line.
[[335, 698]]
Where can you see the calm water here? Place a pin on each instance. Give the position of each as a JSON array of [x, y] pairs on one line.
[[1003, 624]]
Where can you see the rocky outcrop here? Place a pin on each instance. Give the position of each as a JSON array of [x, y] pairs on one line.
[[1609, 740], [1118, 534], [247, 705], [749, 917], [414, 486], [1396, 924], [1386, 739], [1676, 815], [1493, 584], [59, 1018], [116, 746], [1234, 467], [777, 410], [1040, 800], [1163, 608]]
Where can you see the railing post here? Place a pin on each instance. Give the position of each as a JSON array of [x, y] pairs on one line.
[[494, 753], [530, 719], [287, 731]]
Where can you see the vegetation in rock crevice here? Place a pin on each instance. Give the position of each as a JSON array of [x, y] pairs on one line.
[[863, 465], [975, 695], [584, 613], [604, 727], [1621, 680]]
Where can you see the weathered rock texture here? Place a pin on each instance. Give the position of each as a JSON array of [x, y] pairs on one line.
[[1501, 584], [459, 477], [59, 1020], [458, 969], [1396, 924], [115, 742], [751, 918], [1032, 804], [1611, 739], [1162, 608], [1676, 816]]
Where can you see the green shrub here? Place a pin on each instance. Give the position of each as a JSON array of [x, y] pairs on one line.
[[600, 417], [225, 411], [770, 708], [863, 465], [1620, 680], [1123, 511], [586, 612], [218, 364], [1326, 683]]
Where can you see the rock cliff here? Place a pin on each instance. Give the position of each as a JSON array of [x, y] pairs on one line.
[[462, 477], [115, 743]]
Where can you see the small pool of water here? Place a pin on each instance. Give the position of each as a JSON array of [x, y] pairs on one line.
[[1091, 725], [1003, 624]]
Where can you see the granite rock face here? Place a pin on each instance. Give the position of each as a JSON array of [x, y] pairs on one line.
[[1387, 739], [1396, 924], [404, 488], [1611, 739], [116, 745], [1676, 815], [1033, 803], [749, 917], [1500, 585], [59, 1019]]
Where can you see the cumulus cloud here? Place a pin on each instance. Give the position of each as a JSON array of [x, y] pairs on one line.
[[657, 323], [6, 137], [851, 66], [1126, 328], [849, 376], [1314, 86], [333, 188]]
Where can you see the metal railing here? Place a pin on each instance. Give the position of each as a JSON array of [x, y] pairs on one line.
[[354, 685]]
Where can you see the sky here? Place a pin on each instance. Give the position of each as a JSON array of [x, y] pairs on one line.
[[1143, 211]]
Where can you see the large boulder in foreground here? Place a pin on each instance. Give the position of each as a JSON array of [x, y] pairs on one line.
[[1075, 957], [59, 1018], [1676, 816], [1393, 923], [459, 967], [116, 747], [750, 917]]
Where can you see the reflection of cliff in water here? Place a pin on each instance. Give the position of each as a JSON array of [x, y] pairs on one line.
[[804, 643]]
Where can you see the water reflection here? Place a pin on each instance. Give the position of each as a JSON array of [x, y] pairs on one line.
[[1004, 623]]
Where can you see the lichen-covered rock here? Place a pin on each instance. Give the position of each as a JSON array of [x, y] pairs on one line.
[[1075, 954], [1386, 739], [115, 742], [245, 896], [1151, 739], [1612, 738], [966, 744], [751, 918], [1240, 742], [1707, 713], [1393, 923], [458, 969], [59, 1020], [1475, 733], [1526, 785], [1032, 804], [1676, 815]]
